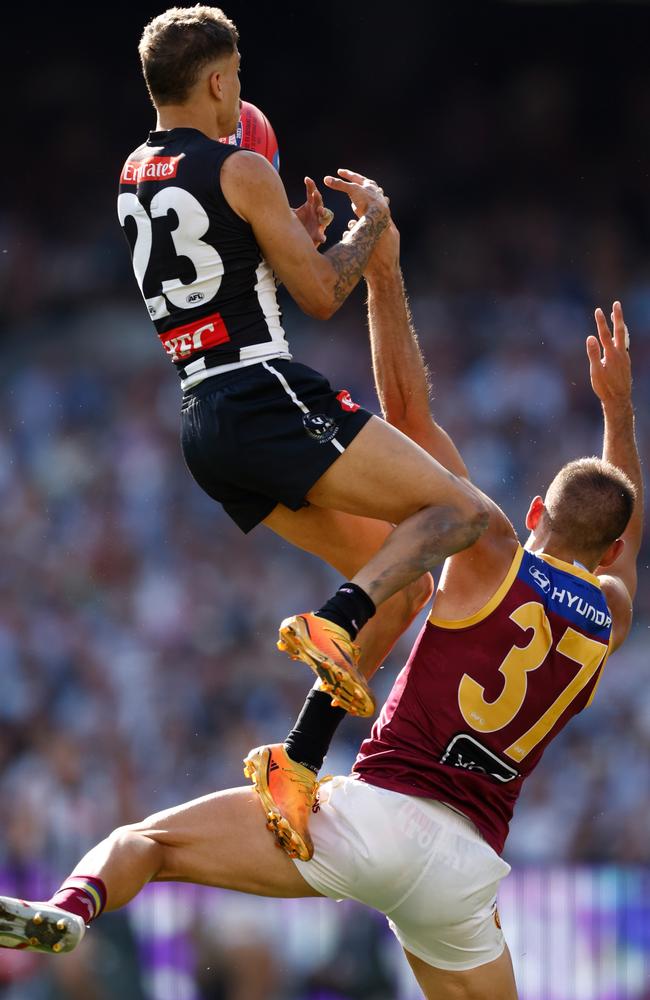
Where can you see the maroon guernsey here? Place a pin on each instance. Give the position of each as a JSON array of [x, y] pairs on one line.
[[473, 710]]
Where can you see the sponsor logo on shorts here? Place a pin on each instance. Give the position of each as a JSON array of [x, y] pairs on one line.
[[154, 168], [184, 341], [417, 825], [320, 427], [346, 401]]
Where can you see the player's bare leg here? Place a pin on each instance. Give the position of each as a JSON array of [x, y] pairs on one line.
[[217, 840], [487, 982], [383, 475], [285, 785], [348, 542]]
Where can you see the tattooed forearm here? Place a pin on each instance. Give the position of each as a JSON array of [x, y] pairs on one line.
[[350, 256]]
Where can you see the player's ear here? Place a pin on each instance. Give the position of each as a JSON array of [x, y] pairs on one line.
[[215, 84], [535, 511], [611, 554]]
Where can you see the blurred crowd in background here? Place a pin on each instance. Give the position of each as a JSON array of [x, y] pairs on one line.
[[137, 624]]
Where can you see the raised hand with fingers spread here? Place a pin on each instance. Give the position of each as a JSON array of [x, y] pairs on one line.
[[371, 206], [364, 193], [611, 371]]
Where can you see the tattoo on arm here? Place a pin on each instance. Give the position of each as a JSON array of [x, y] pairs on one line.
[[350, 256]]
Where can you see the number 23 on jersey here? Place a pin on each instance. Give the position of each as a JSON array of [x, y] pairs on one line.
[[188, 222]]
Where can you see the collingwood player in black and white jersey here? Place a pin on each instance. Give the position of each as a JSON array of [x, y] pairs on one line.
[[209, 225]]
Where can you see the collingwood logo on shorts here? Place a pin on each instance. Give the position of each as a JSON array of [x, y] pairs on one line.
[[319, 426]]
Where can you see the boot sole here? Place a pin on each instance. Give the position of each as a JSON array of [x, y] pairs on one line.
[[25, 925]]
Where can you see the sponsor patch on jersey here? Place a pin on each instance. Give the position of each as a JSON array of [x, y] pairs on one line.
[[154, 168], [467, 753], [320, 427], [576, 600], [346, 401], [540, 579], [185, 341]]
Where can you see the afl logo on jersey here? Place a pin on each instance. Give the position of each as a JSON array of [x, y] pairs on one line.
[[540, 579], [320, 427], [194, 297]]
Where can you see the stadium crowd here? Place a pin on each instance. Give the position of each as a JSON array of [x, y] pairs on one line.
[[137, 625]]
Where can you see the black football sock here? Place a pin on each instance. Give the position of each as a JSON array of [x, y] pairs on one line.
[[314, 729], [350, 608]]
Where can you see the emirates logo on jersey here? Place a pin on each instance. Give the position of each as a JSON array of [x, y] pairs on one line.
[[154, 168]]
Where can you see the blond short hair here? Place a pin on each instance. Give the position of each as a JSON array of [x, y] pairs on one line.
[[589, 504]]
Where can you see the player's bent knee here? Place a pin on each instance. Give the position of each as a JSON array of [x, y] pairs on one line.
[[472, 503], [143, 847], [446, 530], [417, 594], [474, 516], [137, 838], [478, 523]]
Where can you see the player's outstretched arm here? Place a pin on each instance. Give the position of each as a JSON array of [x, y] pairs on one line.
[[402, 379], [401, 375], [611, 379], [319, 283]]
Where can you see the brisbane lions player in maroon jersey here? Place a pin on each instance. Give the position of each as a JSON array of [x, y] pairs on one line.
[[209, 227], [515, 646]]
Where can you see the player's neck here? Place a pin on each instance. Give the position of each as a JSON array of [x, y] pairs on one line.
[[187, 116], [550, 547]]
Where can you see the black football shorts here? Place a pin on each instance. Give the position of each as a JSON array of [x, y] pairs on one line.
[[263, 435]]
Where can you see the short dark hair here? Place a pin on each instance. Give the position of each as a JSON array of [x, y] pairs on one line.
[[176, 45], [589, 504]]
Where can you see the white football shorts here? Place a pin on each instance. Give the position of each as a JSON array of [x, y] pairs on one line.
[[416, 860]]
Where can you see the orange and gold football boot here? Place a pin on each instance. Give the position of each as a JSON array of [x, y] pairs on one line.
[[287, 791], [331, 654]]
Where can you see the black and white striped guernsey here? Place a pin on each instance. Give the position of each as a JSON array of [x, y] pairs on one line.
[[208, 290]]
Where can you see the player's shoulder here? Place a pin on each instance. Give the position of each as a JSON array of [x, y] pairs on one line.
[[620, 607], [249, 166], [142, 150], [251, 185]]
